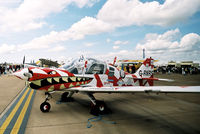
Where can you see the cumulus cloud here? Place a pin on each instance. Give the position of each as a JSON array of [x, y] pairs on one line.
[[116, 47], [163, 47], [7, 48], [134, 12], [79, 30], [88, 26], [118, 42], [108, 40], [30, 13], [127, 54], [155, 42], [167, 46], [114, 13], [83, 52], [108, 18], [9, 3], [89, 44], [57, 48]]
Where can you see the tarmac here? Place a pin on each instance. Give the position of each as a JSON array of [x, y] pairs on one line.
[[131, 113]]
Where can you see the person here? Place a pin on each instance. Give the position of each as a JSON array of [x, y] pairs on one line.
[[133, 69], [183, 71], [168, 70], [186, 70], [4, 70], [127, 69], [0, 70], [10, 68], [191, 70]]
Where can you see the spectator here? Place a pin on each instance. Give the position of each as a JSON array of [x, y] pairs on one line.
[[0, 70], [183, 71]]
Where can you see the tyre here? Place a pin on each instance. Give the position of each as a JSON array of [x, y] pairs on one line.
[[45, 107], [100, 108]]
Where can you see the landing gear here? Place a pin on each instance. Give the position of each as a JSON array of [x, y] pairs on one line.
[[45, 106], [98, 107], [67, 97]]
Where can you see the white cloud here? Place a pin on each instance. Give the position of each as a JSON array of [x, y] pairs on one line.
[[116, 47], [118, 42], [88, 26], [84, 53], [163, 47], [155, 42], [133, 12], [57, 48], [7, 48], [89, 44], [120, 55], [79, 30], [108, 40], [30, 13], [9, 3], [166, 46], [114, 13], [82, 3]]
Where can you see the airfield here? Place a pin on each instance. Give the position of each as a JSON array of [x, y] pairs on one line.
[[140, 113]]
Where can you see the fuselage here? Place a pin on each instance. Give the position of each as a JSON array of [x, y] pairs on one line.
[[96, 74]]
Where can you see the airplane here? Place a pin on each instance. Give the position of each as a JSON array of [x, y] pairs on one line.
[[90, 76], [32, 64]]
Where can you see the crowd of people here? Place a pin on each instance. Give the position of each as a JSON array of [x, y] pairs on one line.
[[179, 70], [6, 69]]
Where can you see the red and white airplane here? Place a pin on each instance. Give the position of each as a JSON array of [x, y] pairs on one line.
[[91, 76]]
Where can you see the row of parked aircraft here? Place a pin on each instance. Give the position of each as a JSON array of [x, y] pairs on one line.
[[90, 76]]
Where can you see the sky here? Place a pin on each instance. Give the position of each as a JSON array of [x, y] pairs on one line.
[[168, 30]]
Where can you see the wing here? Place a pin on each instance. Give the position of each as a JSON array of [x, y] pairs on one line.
[[139, 89]]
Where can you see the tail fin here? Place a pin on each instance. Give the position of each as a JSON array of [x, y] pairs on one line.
[[145, 74], [146, 69]]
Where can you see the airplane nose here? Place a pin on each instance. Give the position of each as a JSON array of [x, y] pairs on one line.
[[23, 74]]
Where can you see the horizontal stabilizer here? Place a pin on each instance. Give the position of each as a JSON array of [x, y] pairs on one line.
[[157, 79], [169, 80]]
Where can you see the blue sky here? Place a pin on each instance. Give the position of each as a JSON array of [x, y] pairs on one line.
[[64, 29]]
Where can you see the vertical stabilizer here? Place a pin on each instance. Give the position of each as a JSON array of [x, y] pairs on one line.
[[144, 72], [146, 69]]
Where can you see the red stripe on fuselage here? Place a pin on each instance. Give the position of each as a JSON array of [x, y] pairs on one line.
[[99, 83]]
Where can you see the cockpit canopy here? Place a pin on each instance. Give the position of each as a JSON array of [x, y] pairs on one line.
[[93, 66]]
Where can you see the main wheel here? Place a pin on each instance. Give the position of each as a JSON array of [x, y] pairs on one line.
[[100, 108], [45, 107]]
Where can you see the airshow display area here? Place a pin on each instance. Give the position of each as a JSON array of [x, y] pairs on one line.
[[138, 113], [100, 66]]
